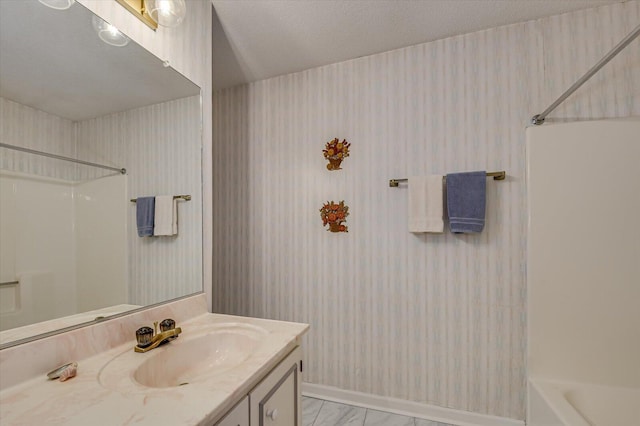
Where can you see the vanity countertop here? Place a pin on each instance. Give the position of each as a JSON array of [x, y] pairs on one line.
[[85, 400]]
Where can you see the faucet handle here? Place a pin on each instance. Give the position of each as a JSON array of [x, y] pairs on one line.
[[144, 336], [167, 324]]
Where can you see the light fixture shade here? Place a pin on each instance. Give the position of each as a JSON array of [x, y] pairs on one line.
[[168, 13], [108, 33], [58, 4]]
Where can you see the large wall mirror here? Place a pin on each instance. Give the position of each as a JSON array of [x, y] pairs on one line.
[[70, 253]]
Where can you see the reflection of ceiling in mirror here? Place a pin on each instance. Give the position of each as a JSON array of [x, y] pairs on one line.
[[53, 61]]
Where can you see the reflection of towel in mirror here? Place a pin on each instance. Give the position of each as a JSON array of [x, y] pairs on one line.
[[166, 216], [145, 213], [466, 199]]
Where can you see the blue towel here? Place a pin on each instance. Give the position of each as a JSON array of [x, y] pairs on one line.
[[145, 212], [466, 200]]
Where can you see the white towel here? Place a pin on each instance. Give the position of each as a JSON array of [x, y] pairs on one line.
[[166, 216], [425, 204]]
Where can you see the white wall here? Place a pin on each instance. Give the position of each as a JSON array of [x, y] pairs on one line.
[[583, 266], [436, 319]]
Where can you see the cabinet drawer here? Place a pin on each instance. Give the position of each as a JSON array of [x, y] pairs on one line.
[[239, 416]]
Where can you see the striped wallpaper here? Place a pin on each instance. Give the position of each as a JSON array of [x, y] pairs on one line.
[[436, 319], [24, 126]]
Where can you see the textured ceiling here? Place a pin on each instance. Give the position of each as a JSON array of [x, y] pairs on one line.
[[258, 39]]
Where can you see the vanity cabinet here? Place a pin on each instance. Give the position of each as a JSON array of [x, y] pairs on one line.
[[238, 416], [275, 401]]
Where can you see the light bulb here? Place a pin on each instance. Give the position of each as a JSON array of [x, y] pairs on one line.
[[108, 33], [58, 4], [168, 13], [164, 7]]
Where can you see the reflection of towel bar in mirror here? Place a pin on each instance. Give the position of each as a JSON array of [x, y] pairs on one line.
[[175, 197], [9, 283], [496, 176]]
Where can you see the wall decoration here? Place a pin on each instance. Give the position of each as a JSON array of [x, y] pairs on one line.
[[336, 151], [335, 215]]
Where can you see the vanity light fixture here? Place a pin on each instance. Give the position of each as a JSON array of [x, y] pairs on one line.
[[58, 4], [108, 33], [168, 13], [137, 9]]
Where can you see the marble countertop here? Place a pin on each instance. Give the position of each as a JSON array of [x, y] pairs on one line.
[[85, 400]]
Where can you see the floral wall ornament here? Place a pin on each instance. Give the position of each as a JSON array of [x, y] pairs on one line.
[[335, 215], [336, 151]]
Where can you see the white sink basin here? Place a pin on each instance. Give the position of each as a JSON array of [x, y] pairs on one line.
[[190, 358]]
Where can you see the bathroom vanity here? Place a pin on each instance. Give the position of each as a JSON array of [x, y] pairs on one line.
[[274, 401], [222, 370]]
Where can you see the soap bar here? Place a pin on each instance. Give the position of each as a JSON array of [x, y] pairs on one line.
[[64, 372], [69, 372]]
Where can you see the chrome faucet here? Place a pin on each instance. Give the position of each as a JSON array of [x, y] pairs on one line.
[[149, 338]]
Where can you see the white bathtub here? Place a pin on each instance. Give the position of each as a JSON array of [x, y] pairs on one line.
[[554, 403]]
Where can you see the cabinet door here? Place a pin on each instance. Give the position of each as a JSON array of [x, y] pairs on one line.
[[276, 400], [239, 416]]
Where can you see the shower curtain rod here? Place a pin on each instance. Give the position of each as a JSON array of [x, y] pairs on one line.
[[60, 157], [539, 118]]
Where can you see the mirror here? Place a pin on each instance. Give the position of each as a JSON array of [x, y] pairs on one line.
[[70, 253]]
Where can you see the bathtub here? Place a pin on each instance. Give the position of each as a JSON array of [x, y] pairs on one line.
[[555, 403]]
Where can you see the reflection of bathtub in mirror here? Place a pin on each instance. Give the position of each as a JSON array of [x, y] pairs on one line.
[[63, 248], [26, 331]]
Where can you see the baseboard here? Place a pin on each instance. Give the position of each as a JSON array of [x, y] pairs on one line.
[[405, 408]]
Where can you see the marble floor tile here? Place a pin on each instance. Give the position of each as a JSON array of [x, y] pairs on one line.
[[382, 418], [310, 409], [318, 412], [333, 414]]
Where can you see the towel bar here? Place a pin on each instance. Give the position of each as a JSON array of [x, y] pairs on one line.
[[175, 197], [393, 183]]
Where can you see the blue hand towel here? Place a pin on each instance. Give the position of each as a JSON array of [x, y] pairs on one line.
[[145, 212], [466, 200]]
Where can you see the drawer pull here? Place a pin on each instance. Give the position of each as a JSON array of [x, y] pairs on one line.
[[272, 414]]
